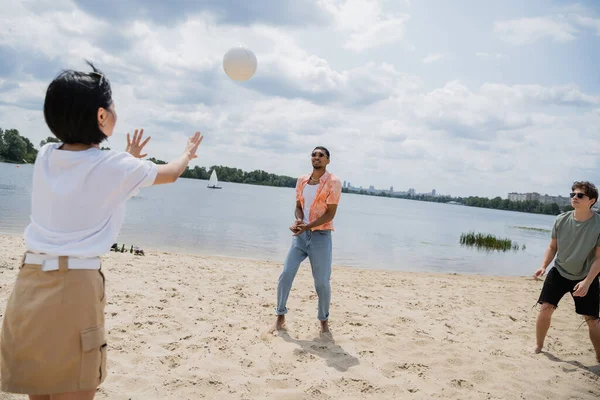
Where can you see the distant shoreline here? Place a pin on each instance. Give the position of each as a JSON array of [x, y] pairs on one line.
[[263, 178], [14, 162]]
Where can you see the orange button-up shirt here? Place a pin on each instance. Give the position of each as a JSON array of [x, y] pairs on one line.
[[328, 192]]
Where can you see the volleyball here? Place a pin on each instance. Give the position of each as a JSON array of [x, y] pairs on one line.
[[239, 63]]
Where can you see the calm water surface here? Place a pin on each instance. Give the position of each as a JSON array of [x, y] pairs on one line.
[[251, 222]]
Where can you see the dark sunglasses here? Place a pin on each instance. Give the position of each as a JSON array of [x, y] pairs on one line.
[[579, 195], [318, 154]]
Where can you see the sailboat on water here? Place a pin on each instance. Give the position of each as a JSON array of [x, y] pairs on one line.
[[213, 182]]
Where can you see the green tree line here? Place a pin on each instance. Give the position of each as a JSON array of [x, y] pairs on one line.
[[531, 206], [496, 203], [15, 148], [236, 175]]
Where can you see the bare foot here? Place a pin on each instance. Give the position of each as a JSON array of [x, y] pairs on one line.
[[325, 327], [279, 324], [537, 349]]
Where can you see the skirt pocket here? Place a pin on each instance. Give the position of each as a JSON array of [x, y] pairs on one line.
[[103, 285], [93, 358]]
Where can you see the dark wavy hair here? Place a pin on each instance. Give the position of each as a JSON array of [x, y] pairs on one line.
[[588, 188], [72, 102]]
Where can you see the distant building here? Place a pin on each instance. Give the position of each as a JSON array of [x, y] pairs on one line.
[[523, 196], [344, 184], [534, 196], [514, 196], [560, 200], [391, 189], [411, 192], [433, 192]]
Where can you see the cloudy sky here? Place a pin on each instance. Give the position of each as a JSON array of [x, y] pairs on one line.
[[468, 97]]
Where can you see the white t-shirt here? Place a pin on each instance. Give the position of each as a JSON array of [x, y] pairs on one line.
[[309, 193], [78, 199]]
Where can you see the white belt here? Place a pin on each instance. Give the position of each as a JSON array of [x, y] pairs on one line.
[[50, 263]]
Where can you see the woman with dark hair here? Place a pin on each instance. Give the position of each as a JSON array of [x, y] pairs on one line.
[[53, 344]]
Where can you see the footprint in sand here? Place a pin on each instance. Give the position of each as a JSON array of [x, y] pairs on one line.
[[316, 393], [392, 370], [507, 366], [171, 346], [281, 368], [455, 362], [403, 320], [283, 383], [356, 385], [366, 353], [319, 348], [461, 383], [303, 356], [479, 376], [172, 361], [193, 348]]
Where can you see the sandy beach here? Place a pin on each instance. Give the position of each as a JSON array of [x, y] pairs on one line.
[[187, 327]]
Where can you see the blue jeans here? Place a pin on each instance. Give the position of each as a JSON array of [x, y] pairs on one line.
[[316, 245]]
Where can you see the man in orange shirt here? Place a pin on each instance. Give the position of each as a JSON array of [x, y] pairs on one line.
[[317, 198]]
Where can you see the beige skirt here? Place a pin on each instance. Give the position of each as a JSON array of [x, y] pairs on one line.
[[53, 338]]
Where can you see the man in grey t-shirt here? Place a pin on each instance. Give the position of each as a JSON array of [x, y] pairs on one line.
[[576, 245]]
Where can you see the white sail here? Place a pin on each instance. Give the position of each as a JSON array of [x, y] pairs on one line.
[[212, 182]]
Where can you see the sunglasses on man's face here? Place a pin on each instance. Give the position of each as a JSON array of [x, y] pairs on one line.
[[318, 154], [579, 195]]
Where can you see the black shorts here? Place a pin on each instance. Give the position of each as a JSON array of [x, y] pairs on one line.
[[556, 286]]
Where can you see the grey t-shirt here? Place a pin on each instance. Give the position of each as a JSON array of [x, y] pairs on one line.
[[577, 243]]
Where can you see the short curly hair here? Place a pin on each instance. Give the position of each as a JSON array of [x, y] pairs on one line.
[[588, 188]]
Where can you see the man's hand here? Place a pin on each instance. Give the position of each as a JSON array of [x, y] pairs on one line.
[[134, 147], [299, 228], [581, 288], [540, 272], [295, 225]]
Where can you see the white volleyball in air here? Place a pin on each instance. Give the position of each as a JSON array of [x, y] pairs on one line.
[[239, 63]]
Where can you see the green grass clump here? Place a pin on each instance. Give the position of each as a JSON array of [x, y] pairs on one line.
[[488, 242]]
